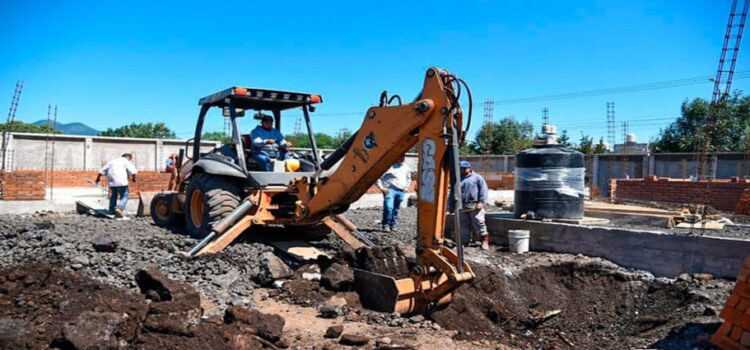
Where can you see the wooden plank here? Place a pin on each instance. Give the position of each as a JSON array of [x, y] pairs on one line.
[[228, 237], [709, 225], [84, 207]]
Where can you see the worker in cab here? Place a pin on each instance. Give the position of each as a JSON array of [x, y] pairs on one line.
[[393, 184], [473, 200], [268, 143]]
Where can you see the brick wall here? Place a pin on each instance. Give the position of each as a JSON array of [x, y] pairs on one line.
[[23, 185], [31, 184], [725, 194], [499, 181]]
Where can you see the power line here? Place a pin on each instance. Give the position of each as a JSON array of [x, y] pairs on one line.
[[620, 90]]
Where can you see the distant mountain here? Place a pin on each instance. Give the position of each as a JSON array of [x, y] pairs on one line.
[[72, 128]]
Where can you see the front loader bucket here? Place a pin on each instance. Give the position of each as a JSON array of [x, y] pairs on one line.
[[144, 203], [386, 294]]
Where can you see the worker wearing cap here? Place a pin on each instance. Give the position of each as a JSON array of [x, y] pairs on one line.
[[118, 171], [393, 184], [268, 143], [171, 168], [473, 199]]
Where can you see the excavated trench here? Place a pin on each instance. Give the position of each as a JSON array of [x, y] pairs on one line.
[[570, 305]]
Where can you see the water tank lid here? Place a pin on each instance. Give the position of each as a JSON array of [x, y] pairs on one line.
[[549, 156]]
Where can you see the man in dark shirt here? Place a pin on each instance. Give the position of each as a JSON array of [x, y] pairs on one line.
[[473, 199]]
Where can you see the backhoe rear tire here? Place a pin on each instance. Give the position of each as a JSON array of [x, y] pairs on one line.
[[209, 199]]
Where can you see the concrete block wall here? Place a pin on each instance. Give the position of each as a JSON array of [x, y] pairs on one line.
[[28, 151], [724, 194]]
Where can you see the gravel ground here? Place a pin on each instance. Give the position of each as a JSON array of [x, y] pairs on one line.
[[601, 305], [67, 240]]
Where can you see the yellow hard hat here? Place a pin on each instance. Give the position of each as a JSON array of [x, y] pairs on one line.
[[291, 165]]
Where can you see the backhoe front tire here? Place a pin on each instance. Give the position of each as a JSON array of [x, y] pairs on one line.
[[162, 213], [209, 199]]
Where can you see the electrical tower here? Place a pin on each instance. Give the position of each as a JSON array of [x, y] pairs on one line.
[[9, 122], [624, 163], [227, 126], [545, 116], [489, 115], [611, 124], [297, 126]]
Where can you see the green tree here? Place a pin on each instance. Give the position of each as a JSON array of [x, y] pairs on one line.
[[507, 136], [323, 140], [564, 139], [727, 135], [142, 130], [586, 145], [216, 136], [341, 137], [19, 126]]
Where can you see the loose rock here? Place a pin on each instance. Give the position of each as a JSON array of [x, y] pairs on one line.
[[353, 339], [104, 243], [334, 331], [337, 277]]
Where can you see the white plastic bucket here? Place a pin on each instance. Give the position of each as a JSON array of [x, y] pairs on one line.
[[518, 240]]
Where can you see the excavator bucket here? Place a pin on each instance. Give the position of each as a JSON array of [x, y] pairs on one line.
[[387, 294]]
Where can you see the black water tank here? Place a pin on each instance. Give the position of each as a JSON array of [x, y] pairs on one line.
[[549, 182]]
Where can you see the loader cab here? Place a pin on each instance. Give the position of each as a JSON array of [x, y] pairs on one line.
[[244, 108]]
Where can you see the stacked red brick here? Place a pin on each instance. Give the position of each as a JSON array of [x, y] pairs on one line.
[[734, 333], [31, 184], [499, 181], [23, 185], [724, 194]]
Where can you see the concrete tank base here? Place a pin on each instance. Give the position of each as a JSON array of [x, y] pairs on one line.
[[662, 254]]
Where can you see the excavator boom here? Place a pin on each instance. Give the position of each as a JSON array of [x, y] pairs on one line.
[[433, 123]]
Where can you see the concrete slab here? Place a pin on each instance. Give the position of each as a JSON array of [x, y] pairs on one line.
[[64, 200], [660, 253]]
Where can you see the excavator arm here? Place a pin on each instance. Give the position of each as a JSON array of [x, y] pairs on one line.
[[433, 122]]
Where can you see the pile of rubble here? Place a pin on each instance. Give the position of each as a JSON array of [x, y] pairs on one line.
[[44, 306]]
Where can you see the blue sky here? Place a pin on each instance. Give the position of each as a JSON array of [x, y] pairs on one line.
[[109, 63]]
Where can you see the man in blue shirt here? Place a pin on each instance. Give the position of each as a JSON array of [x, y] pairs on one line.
[[473, 199], [268, 143]]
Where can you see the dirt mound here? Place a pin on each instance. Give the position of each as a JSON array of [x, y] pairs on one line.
[[569, 305], [47, 307]]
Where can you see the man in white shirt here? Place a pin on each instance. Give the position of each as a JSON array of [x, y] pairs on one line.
[[118, 171], [393, 184]]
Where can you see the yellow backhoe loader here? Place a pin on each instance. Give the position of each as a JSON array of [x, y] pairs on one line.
[[222, 194]]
